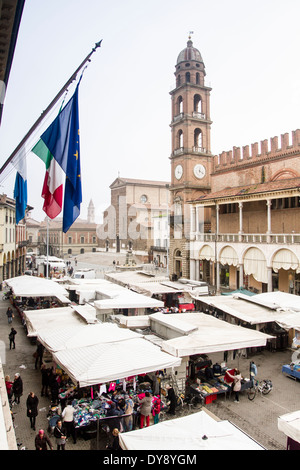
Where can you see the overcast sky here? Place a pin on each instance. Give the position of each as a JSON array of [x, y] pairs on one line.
[[251, 55]]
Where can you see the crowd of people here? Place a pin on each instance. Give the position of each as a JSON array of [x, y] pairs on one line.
[[124, 410]]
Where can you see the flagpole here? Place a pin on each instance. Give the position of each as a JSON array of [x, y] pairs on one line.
[[53, 102], [47, 265]]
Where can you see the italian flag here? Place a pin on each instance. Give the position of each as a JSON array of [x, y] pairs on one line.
[[52, 191]]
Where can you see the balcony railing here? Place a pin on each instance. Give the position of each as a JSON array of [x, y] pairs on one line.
[[276, 238]]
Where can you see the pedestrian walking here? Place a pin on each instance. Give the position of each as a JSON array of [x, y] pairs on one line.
[[253, 370], [171, 400], [60, 435], [54, 387], [128, 410], [42, 440], [156, 405], [9, 314], [68, 420], [145, 409], [11, 336], [8, 385], [32, 408], [45, 380], [39, 355], [17, 388], [237, 383]]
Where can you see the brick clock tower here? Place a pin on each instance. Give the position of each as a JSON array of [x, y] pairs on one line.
[[191, 157]]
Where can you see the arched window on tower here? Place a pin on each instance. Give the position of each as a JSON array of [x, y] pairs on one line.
[[197, 78], [198, 144], [180, 139], [178, 80], [187, 77], [179, 108], [198, 107], [197, 104]]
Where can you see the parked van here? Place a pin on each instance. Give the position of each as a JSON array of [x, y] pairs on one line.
[[85, 274]]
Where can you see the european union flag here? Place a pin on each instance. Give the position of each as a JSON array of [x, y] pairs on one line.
[[62, 140]]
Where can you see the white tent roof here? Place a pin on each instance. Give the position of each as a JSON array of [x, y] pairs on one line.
[[248, 308], [50, 319], [32, 286], [210, 335], [289, 424], [187, 434], [88, 312], [79, 336], [280, 300], [128, 300], [104, 362]]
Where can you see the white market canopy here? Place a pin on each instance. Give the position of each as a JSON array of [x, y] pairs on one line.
[[50, 319], [254, 309], [80, 335], [207, 334], [198, 431], [105, 362], [128, 300], [33, 286], [289, 424]]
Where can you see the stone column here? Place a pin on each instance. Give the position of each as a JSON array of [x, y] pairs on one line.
[[269, 229], [269, 279], [240, 220], [193, 269], [241, 275], [197, 270]]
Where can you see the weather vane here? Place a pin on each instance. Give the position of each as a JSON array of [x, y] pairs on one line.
[[190, 34]]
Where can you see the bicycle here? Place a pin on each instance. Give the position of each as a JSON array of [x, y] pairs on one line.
[[263, 387]]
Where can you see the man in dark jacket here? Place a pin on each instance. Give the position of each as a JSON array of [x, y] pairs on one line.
[[17, 388], [32, 408], [11, 337]]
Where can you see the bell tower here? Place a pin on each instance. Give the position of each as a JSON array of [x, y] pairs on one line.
[[191, 156]]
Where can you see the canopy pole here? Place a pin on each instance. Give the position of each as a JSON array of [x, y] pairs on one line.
[[47, 265]]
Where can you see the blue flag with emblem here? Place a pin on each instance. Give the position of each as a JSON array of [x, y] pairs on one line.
[[62, 140]]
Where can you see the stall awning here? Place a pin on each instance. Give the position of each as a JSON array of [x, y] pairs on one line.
[[106, 362], [211, 335], [207, 253], [187, 433], [285, 259], [249, 309], [80, 335], [32, 286], [289, 424], [51, 319], [255, 264], [128, 301], [228, 256]]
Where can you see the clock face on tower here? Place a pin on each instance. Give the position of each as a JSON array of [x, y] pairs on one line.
[[178, 172], [199, 171]]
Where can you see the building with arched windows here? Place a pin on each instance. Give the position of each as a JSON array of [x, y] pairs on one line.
[[235, 219]]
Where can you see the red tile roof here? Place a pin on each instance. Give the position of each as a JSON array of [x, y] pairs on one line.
[[252, 189]]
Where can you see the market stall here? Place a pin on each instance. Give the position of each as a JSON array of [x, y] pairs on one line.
[[105, 362], [49, 319], [289, 424], [198, 431], [81, 335], [207, 334], [31, 292]]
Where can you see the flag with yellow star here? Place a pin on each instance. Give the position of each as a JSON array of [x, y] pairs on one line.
[[62, 140]]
